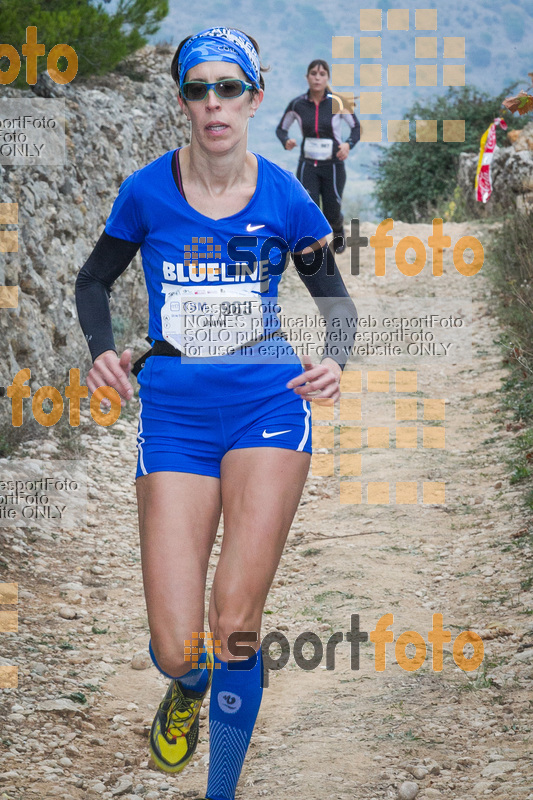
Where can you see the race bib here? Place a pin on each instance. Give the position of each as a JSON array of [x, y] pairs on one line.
[[207, 321], [318, 149]]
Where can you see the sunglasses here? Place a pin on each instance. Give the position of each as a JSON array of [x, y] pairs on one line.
[[226, 90]]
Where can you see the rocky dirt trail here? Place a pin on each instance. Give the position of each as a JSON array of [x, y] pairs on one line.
[[76, 726]]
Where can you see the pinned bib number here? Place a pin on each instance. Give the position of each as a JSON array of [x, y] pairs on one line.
[[318, 149], [211, 320]]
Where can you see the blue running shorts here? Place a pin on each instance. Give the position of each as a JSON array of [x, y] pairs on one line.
[[191, 414]]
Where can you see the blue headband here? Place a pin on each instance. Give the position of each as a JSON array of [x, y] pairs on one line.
[[220, 44]]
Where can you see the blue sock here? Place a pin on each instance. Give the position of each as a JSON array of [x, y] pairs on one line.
[[195, 679], [235, 700]]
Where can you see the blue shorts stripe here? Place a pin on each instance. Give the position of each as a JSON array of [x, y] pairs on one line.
[[140, 440], [305, 437]]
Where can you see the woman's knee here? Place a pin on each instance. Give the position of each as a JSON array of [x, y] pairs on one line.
[[232, 626], [168, 655]]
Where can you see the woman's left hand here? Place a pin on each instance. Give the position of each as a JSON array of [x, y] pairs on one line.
[[342, 152], [318, 381]]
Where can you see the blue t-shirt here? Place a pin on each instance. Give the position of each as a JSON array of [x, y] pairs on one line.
[[181, 247]]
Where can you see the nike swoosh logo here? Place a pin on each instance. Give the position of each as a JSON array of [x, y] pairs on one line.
[[276, 433], [251, 228]]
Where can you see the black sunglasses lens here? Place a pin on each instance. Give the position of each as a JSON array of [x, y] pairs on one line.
[[194, 91], [229, 88], [197, 90]]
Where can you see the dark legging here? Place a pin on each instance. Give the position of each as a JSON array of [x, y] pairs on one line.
[[325, 180]]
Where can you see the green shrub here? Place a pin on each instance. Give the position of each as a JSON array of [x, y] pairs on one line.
[[511, 257], [412, 178], [510, 260]]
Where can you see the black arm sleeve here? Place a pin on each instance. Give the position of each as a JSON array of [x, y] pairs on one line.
[[325, 284], [107, 261]]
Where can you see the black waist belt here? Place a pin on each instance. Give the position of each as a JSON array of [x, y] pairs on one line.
[[164, 348]]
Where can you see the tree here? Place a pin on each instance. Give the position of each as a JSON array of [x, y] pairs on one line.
[[100, 39], [413, 177]]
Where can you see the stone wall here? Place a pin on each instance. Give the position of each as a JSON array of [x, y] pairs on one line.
[[512, 172], [114, 125]]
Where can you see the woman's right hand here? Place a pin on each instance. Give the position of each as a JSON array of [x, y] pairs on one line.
[[110, 370], [290, 143]]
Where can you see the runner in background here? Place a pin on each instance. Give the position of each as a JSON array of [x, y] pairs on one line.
[[321, 169]]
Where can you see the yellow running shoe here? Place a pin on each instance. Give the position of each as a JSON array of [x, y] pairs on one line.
[[174, 733]]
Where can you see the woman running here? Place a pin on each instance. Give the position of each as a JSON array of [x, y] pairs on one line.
[[320, 168], [222, 428]]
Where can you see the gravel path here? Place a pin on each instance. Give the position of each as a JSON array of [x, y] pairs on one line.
[[77, 725]]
